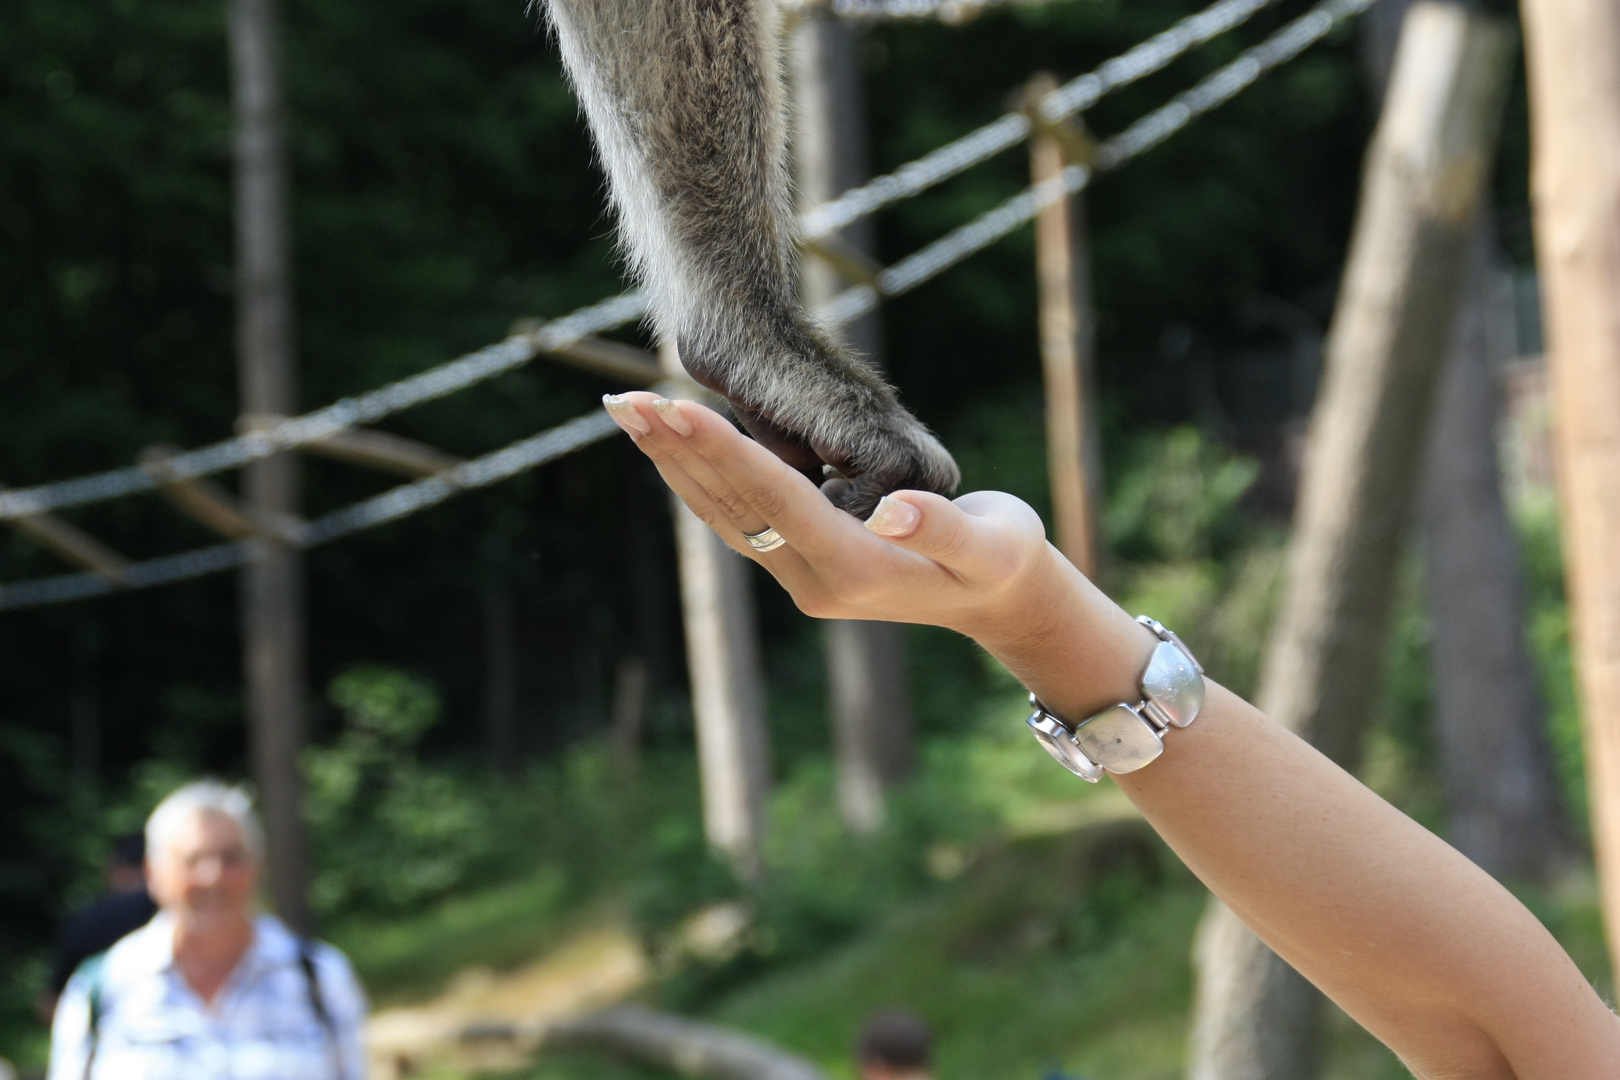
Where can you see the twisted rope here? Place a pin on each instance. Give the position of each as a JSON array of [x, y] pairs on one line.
[[406, 499], [501, 357]]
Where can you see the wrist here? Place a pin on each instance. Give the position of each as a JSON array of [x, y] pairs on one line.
[[1064, 639]]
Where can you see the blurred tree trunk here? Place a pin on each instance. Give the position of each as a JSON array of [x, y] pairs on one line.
[[1254, 1018], [1502, 799], [866, 662], [1068, 343], [273, 583], [1490, 723], [1572, 46], [728, 692]]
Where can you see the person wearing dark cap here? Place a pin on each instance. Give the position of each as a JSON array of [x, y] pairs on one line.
[[894, 1045], [123, 908]]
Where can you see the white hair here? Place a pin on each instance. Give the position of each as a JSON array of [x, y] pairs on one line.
[[195, 799]]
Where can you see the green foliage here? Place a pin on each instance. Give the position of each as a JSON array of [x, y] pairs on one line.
[[396, 834], [1188, 553], [1177, 500], [442, 187], [1399, 758], [404, 956], [1069, 949], [390, 832], [976, 782], [1551, 648], [586, 1067]]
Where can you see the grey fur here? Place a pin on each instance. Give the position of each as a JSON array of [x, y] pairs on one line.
[[686, 102]]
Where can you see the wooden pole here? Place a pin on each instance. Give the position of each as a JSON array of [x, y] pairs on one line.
[[1572, 48], [728, 697], [1067, 330], [1254, 1018], [67, 541], [868, 697], [272, 584]]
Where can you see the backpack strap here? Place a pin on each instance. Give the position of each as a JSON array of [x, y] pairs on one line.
[[92, 973], [317, 1003]]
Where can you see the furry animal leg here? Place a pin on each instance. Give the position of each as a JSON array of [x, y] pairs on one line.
[[686, 103]]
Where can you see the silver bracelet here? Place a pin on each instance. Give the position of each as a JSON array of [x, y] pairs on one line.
[[1123, 738]]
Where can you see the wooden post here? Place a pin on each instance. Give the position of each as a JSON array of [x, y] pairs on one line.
[[869, 699], [272, 584], [1502, 804], [1254, 1018], [1571, 48], [728, 698], [1067, 329], [67, 541]]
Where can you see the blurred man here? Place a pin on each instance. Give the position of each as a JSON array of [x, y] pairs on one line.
[[894, 1045], [124, 907], [211, 987]]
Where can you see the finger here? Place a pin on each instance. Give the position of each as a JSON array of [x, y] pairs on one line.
[[777, 492], [659, 428], [785, 564], [982, 536]]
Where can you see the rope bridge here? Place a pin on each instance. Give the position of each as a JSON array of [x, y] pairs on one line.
[[329, 429]]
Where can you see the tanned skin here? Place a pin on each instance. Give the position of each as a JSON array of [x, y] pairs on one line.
[[1419, 945]]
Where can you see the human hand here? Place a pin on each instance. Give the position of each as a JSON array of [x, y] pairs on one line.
[[973, 565]]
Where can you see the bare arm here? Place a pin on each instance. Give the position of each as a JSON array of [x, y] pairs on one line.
[[1418, 944]]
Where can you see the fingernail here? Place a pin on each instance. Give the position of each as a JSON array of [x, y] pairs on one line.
[[619, 407], [893, 517], [673, 416]]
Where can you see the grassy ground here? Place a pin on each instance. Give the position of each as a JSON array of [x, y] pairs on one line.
[[1045, 937], [1057, 955], [405, 959], [1056, 944], [1042, 930]]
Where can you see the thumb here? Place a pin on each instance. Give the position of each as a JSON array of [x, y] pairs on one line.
[[976, 535]]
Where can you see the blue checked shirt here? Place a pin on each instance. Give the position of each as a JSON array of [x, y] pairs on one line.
[[262, 1024]]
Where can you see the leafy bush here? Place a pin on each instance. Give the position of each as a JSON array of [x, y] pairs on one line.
[[1177, 500], [1550, 645], [1188, 554], [389, 831]]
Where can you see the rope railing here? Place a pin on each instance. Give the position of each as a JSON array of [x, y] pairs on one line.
[[517, 350], [928, 262], [1076, 95], [1142, 136], [948, 11], [429, 385], [391, 505]]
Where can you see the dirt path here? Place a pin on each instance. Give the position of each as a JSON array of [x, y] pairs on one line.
[[593, 968]]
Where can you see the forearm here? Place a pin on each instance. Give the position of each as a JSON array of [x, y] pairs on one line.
[[1422, 947]]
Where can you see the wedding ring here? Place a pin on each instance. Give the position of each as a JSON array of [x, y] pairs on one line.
[[769, 540]]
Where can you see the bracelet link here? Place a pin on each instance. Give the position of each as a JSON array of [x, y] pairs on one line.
[[1123, 737]]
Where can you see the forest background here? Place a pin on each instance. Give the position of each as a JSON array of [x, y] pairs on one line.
[[442, 188]]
